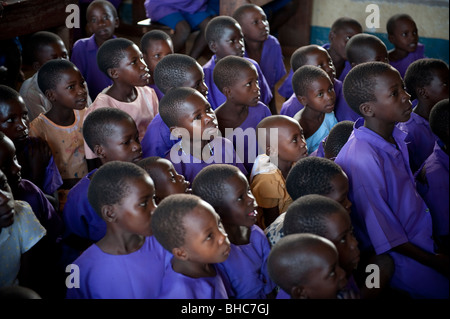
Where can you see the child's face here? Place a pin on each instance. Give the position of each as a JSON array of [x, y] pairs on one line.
[[320, 95], [167, 180], [393, 102], [339, 38], [291, 142], [231, 43], [53, 51], [326, 277], [437, 90], [197, 116], [155, 51], [340, 231], [14, 120], [6, 203], [375, 53], [245, 90], [135, 210], [123, 143], [254, 25], [405, 36], [239, 204], [102, 22], [322, 59], [132, 69], [195, 78], [205, 239], [339, 190], [70, 91], [9, 163]]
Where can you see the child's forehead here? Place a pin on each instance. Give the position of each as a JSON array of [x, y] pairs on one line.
[[12, 105], [99, 8]]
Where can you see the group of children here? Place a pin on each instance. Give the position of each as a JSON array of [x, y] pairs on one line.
[[162, 178]]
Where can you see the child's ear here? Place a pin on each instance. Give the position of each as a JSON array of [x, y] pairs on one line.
[[36, 65], [391, 38], [108, 213], [299, 292], [422, 93], [112, 72], [116, 22], [227, 92], [212, 46], [366, 109], [271, 151], [176, 131], [99, 151], [302, 99], [50, 95], [331, 36], [180, 253]]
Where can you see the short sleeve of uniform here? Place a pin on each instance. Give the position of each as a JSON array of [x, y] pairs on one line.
[[269, 190]]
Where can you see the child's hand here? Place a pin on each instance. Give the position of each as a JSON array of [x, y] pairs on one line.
[[442, 264]]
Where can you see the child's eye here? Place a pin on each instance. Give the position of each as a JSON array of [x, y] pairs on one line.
[[144, 204], [157, 56], [70, 87], [320, 94], [332, 274]]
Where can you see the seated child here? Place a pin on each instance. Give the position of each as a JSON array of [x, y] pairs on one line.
[[127, 263], [20, 231], [364, 47], [189, 116], [282, 144], [63, 84], [317, 56], [426, 80], [239, 115], [33, 154], [402, 33], [315, 91], [155, 45], [183, 17], [224, 37], [302, 264], [336, 139], [388, 214], [42, 46], [102, 21], [122, 61], [260, 45], [190, 229], [167, 180], [312, 175], [432, 179], [227, 190], [113, 136], [175, 70], [341, 31]]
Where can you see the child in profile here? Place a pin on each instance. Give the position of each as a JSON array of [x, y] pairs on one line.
[[190, 229], [227, 190], [102, 21], [127, 263], [282, 144], [167, 180], [190, 118], [402, 33], [305, 266], [155, 45], [63, 85], [315, 91]]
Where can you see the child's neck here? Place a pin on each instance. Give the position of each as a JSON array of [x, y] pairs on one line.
[[231, 115], [381, 128], [423, 109], [310, 120], [122, 92], [397, 54], [193, 269], [119, 243], [284, 167], [238, 235], [60, 115], [189, 150], [254, 50]]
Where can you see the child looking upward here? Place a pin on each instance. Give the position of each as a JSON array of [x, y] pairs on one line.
[[191, 230], [155, 45], [189, 116], [284, 146], [388, 214], [315, 91], [402, 33], [227, 190], [63, 85], [306, 266], [427, 82], [239, 115], [127, 263], [122, 61], [224, 37], [174, 70]]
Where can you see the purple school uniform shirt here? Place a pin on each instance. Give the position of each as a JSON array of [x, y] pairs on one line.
[[157, 9], [216, 97], [435, 190], [246, 267], [158, 92], [157, 141], [137, 275], [84, 56], [420, 139], [189, 166], [342, 111], [403, 64], [272, 64], [387, 211]]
